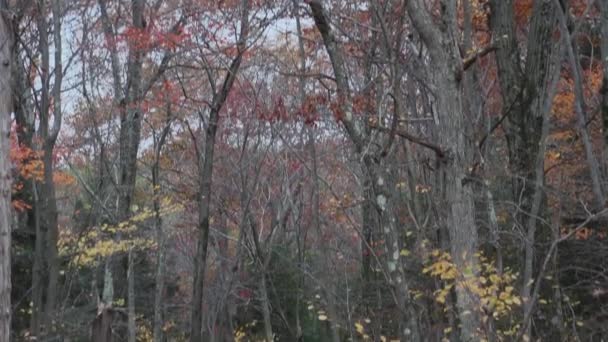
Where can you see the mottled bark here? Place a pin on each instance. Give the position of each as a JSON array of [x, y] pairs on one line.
[[6, 94], [442, 42]]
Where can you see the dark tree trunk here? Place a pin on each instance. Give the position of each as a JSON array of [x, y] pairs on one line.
[[525, 94], [205, 180], [101, 330]]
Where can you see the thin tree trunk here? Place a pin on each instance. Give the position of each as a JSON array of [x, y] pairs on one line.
[[160, 280], [37, 272], [527, 94], [205, 180], [581, 112], [131, 297], [160, 237], [266, 309], [6, 94], [47, 265], [316, 213], [604, 50], [379, 186], [53, 229], [539, 181]]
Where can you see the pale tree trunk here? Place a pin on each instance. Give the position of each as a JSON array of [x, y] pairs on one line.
[[460, 212], [6, 94], [205, 179]]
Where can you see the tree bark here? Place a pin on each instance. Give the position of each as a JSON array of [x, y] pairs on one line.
[[526, 93], [580, 108], [379, 188], [46, 265], [131, 297], [604, 50], [160, 237], [6, 95], [205, 179], [316, 212], [442, 42]]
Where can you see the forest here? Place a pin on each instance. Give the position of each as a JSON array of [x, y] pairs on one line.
[[303, 170]]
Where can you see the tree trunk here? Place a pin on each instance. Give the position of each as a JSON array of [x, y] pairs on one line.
[[205, 179], [460, 212], [381, 202], [265, 301], [160, 237], [131, 297], [526, 95], [46, 265], [6, 94], [316, 213], [101, 330], [131, 116], [604, 49], [581, 112]]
